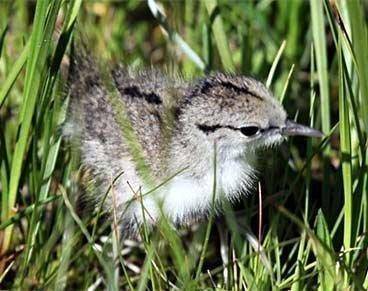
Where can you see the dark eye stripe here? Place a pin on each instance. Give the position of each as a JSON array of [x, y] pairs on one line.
[[246, 130]]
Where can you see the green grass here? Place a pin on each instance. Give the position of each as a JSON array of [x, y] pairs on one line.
[[313, 194]]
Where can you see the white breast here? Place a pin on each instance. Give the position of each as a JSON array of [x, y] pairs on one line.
[[236, 175], [187, 196]]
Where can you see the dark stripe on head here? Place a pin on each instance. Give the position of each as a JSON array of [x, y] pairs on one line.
[[134, 92], [207, 85], [212, 128]]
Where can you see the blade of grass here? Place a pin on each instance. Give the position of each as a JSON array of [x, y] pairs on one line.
[[142, 285], [32, 80], [220, 35], [324, 277], [85, 232], [207, 46], [359, 33], [210, 221], [275, 62], [360, 46], [28, 210], [351, 75], [42, 179], [70, 236], [174, 36], [319, 39], [4, 171], [345, 144], [14, 73], [283, 93], [2, 39], [325, 255], [303, 252]]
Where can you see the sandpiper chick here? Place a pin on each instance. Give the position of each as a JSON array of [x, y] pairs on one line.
[[147, 131]]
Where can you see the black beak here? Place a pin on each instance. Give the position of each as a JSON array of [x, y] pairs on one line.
[[292, 128]]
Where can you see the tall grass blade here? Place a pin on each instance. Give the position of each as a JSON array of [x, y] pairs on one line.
[[326, 256], [319, 40], [14, 73], [174, 36], [220, 35], [359, 35], [210, 221], [30, 97], [324, 277], [276, 60], [345, 141]]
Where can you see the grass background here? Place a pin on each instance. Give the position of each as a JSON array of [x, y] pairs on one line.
[[312, 230]]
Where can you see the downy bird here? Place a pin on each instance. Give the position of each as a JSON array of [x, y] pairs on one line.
[[161, 145]]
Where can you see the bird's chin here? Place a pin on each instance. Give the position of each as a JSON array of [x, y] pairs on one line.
[[235, 149], [265, 142], [273, 140]]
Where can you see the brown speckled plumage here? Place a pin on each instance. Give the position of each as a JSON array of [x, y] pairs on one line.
[[177, 123]]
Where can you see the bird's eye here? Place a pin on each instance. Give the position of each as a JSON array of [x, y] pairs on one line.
[[249, 130]]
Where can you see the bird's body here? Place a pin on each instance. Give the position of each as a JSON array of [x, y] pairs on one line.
[[184, 133]]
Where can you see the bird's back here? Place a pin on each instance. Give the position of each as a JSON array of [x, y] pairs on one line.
[[103, 105], [149, 98]]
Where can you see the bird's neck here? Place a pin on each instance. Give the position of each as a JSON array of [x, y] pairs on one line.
[[234, 166]]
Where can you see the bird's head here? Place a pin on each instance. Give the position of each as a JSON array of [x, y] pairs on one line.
[[238, 113]]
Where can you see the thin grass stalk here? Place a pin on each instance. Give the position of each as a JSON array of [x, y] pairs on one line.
[[4, 172], [210, 221], [43, 182], [85, 232], [14, 73], [27, 211], [345, 144], [207, 46], [359, 33], [66, 254], [283, 93], [275, 62], [325, 279], [173, 35], [355, 42], [2, 39], [220, 35], [177, 252], [326, 256], [142, 285], [32, 80], [319, 39], [301, 259]]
